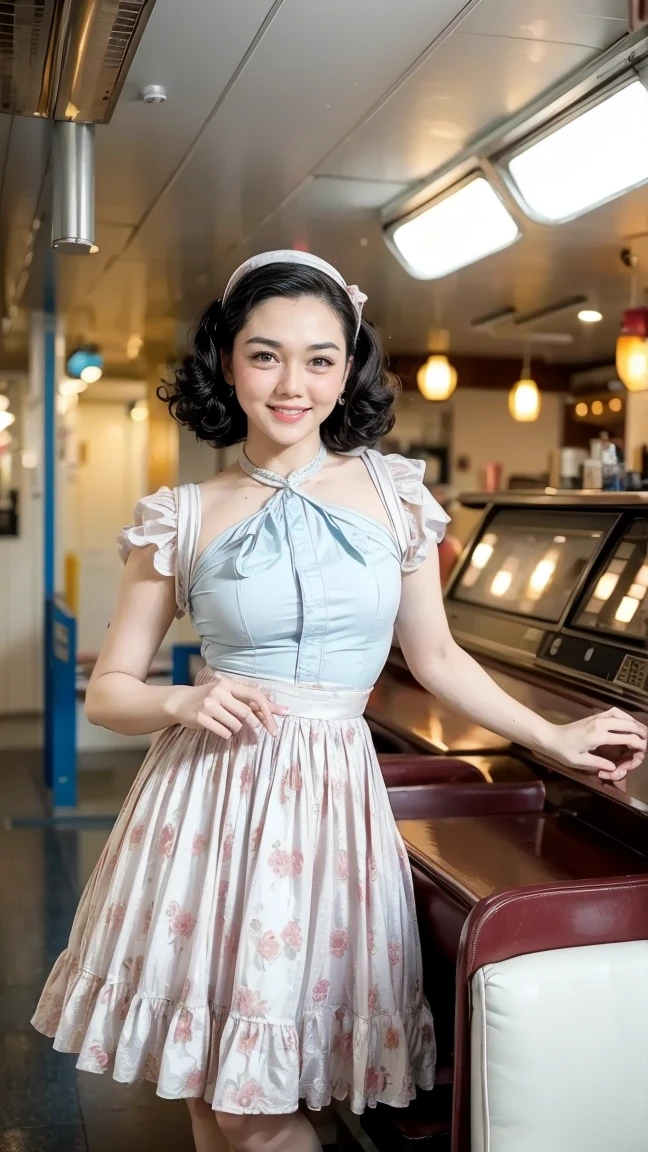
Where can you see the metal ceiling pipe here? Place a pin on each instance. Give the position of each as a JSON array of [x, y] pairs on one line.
[[73, 170]]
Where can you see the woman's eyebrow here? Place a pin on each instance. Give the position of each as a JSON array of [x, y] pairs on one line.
[[277, 344]]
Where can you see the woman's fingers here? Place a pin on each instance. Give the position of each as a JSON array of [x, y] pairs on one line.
[[208, 722], [242, 704], [618, 739], [591, 763], [617, 721], [262, 708]]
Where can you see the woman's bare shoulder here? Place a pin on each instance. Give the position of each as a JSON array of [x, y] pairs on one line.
[[221, 486]]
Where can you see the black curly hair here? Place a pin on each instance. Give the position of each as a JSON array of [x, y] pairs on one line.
[[200, 398]]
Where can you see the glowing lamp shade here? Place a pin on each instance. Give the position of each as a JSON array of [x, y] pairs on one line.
[[6, 420], [139, 412], [587, 160], [437, 379], [632, 350], [85, 364], [454, 231], [524, 401], [91, 374]]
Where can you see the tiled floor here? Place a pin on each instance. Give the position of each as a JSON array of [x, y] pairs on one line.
[[45, 1105]]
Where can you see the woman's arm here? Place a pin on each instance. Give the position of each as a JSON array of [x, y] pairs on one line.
[[117, 696], [445, 670]]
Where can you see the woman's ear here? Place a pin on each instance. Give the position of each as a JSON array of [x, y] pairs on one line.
[[226, 365], [348, 371]]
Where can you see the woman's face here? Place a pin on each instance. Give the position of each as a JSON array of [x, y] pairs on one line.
[[288, 366]]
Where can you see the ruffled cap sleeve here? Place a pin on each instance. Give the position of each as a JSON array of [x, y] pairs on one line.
[[425, 519], [155, 521]]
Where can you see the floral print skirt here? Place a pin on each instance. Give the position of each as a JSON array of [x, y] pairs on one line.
[[249, 933]]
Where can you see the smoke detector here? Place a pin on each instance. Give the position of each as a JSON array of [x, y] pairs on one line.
[[153, 94]]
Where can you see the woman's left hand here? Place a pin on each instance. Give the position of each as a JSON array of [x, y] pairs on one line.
[[610, 744]]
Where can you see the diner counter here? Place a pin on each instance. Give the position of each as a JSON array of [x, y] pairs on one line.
[[478, 855]]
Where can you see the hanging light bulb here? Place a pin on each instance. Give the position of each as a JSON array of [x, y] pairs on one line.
[[524, 398], [632, 350], [139, 411], [437, 379]]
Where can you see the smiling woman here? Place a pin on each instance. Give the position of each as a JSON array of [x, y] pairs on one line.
[[249, 935], [269, 348]]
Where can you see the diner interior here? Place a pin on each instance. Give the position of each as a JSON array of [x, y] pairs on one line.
[[480, 169]]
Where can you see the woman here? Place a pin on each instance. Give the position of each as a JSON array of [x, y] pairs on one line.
[[248, 937]]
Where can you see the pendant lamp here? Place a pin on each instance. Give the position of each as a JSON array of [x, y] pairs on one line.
[[437, 379], [632, 350], [524, 398]]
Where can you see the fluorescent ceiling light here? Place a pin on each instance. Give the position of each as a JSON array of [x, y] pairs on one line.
[[587, 160], [456, 230]]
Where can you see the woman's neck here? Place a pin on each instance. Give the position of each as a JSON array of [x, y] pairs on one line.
[[266, 453]]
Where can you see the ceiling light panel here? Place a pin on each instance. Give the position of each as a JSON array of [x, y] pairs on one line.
[[587, 160], [457, 229]]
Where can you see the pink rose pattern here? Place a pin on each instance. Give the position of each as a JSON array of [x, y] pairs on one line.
[[392, 1038], [116, 915], [183, 1032], [101, 1059], [167, 840], [200, 844], [292, 938], [339, 942], [394, 952], [248, 1039], [247, 779], [136, 836], [291, 781], [284, 863], [247, 1097], [202, 859], [342, 865], [320, 991], [249, 1003], [268, 946], [181, 923]]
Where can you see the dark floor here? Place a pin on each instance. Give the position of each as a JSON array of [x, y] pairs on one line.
[[45, 1105]]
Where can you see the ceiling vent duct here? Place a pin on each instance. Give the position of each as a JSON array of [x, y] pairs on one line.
[[73, 171], [67, 59]]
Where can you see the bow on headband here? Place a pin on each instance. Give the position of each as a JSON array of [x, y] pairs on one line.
[[290, 256]]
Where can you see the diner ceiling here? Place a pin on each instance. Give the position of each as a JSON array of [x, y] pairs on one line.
[[294, 123]]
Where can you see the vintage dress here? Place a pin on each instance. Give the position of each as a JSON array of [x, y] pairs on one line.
[[249, 933]]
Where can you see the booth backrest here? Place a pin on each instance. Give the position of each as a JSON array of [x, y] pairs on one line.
[[551, 1034], [559, 1051]]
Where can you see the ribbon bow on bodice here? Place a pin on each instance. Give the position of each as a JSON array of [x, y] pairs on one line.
[[264, 541]]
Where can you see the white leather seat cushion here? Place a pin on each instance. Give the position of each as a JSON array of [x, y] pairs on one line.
[[559, 1051]]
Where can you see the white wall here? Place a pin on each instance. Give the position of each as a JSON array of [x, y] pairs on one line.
[[636, 429], [110, 478], [21, 578], [483, 431]]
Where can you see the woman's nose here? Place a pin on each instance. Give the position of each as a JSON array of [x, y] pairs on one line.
[[291, 381]]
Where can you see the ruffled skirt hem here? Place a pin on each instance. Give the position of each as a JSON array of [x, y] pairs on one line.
[[187, 1049]]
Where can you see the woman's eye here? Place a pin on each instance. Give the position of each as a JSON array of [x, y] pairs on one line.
[[264, 357], [321, 362]]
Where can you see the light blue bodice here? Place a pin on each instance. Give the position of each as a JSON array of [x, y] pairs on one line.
[[301, 590]]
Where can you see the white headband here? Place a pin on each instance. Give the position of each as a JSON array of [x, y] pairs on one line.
[[289, 256]]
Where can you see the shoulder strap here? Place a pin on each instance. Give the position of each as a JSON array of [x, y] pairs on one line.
[[382, 478], [188, 505]]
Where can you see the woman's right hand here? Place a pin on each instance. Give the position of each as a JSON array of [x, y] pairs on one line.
[[223, 706]]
